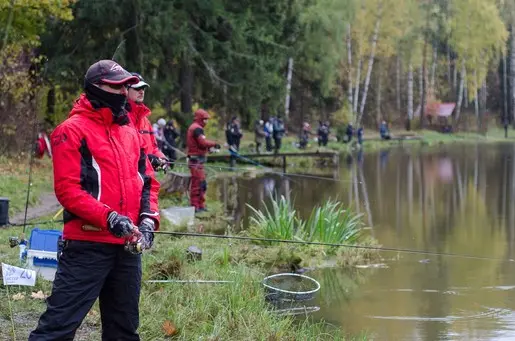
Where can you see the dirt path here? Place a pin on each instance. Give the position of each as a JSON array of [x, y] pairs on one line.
[[48, 205]]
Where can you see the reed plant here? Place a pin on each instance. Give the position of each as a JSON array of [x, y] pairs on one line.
[[332, 223], [328, 223], [278, 222]]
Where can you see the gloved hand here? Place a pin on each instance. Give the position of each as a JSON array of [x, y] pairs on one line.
[[158, 163], [146, 227], [119, 225], [154, 161], [217, 146]]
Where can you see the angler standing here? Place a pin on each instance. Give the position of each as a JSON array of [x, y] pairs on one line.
[[106, 184], [198, 147], [233, 135], [259, 134], [170, 134], [138, 115]]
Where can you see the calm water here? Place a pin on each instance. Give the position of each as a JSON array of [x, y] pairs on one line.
[[458, 199]]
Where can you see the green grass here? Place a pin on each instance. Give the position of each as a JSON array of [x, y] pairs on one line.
[[14, 178], [372, 141], [235, 311], [278, 222], [331, 223]]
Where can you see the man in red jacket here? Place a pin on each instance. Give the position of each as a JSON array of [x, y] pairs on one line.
[[138, 115], [198, 146], [106, 184]]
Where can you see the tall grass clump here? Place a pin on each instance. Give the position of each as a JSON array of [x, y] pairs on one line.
[[332, 223], [278, 222], [328, 223]]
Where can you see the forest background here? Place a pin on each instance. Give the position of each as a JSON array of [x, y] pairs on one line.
[[358, 61]]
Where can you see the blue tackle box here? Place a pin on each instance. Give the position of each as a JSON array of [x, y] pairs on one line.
[[43, 247]]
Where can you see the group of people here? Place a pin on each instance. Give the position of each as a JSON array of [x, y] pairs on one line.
[[323, 132], [271, 131], [166, 135], [105, 155]]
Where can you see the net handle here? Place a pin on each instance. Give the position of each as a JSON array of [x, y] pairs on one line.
[[292, 292]]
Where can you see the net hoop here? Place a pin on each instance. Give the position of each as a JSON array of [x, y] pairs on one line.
[[309, 292]]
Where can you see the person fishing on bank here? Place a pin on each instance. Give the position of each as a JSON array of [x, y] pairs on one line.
[[233, 135], [138, 115], [304, 135], [106, 185], [197, 148], [323, 133], [269, 131], [278, 133], [259, 134], [170, 135]]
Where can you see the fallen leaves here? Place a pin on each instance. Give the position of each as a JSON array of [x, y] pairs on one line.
[[169, 328], [38, 295], [18, 296]]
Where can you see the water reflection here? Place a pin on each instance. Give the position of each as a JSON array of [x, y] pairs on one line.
[[458, 199]]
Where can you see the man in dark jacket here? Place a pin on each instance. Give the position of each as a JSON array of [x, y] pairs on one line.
[[234, 136], [106, 184], [198, 147], [278, 133], [170, 135], [323, 134]]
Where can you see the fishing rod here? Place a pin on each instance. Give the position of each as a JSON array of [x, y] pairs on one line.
[[366, 247]]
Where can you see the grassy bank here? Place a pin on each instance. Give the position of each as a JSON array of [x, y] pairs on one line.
[[373, 142], [233, 311], [14, 177]]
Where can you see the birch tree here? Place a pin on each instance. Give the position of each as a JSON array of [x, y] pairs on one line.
[[478, 36]]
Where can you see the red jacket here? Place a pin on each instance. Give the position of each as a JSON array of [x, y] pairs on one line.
[[196, 141], [139, 120], [99, 167]]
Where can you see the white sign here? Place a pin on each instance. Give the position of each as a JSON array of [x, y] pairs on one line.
[[13, 275]]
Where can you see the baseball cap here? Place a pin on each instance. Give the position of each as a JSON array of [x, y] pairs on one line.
[[109, 72], [141, 82]]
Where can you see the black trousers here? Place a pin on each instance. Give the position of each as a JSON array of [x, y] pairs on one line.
[[277, 141], [88, 271], [269, 146]]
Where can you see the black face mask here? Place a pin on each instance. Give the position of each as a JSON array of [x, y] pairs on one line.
[[103, 99]]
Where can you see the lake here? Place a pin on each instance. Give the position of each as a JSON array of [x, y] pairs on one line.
[[453, 199]]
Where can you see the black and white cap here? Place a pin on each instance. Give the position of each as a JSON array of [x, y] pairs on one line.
[[141, 82]]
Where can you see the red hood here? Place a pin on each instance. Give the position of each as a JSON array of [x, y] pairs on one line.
[[83, 107], [138, 111], [200, 122]]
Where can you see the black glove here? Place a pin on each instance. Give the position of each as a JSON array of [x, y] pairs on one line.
[[146, 227], [154, 161], [158, 163], [119, 225], [217, 146]]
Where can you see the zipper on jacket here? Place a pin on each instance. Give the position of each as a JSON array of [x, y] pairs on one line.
[[117, 152]]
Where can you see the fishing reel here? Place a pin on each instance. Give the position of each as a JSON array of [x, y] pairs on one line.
[[133, 245], [15, 241], [134, 248]]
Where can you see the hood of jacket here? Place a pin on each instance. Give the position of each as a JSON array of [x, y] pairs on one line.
[[83, 107]]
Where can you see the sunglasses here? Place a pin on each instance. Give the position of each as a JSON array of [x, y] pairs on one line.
[[116, 86], [142, 88]]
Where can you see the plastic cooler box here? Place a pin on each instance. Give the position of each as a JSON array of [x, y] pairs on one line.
[[43, 247]]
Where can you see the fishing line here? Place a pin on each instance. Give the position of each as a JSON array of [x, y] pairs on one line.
[[274, 172], [366, 247]]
